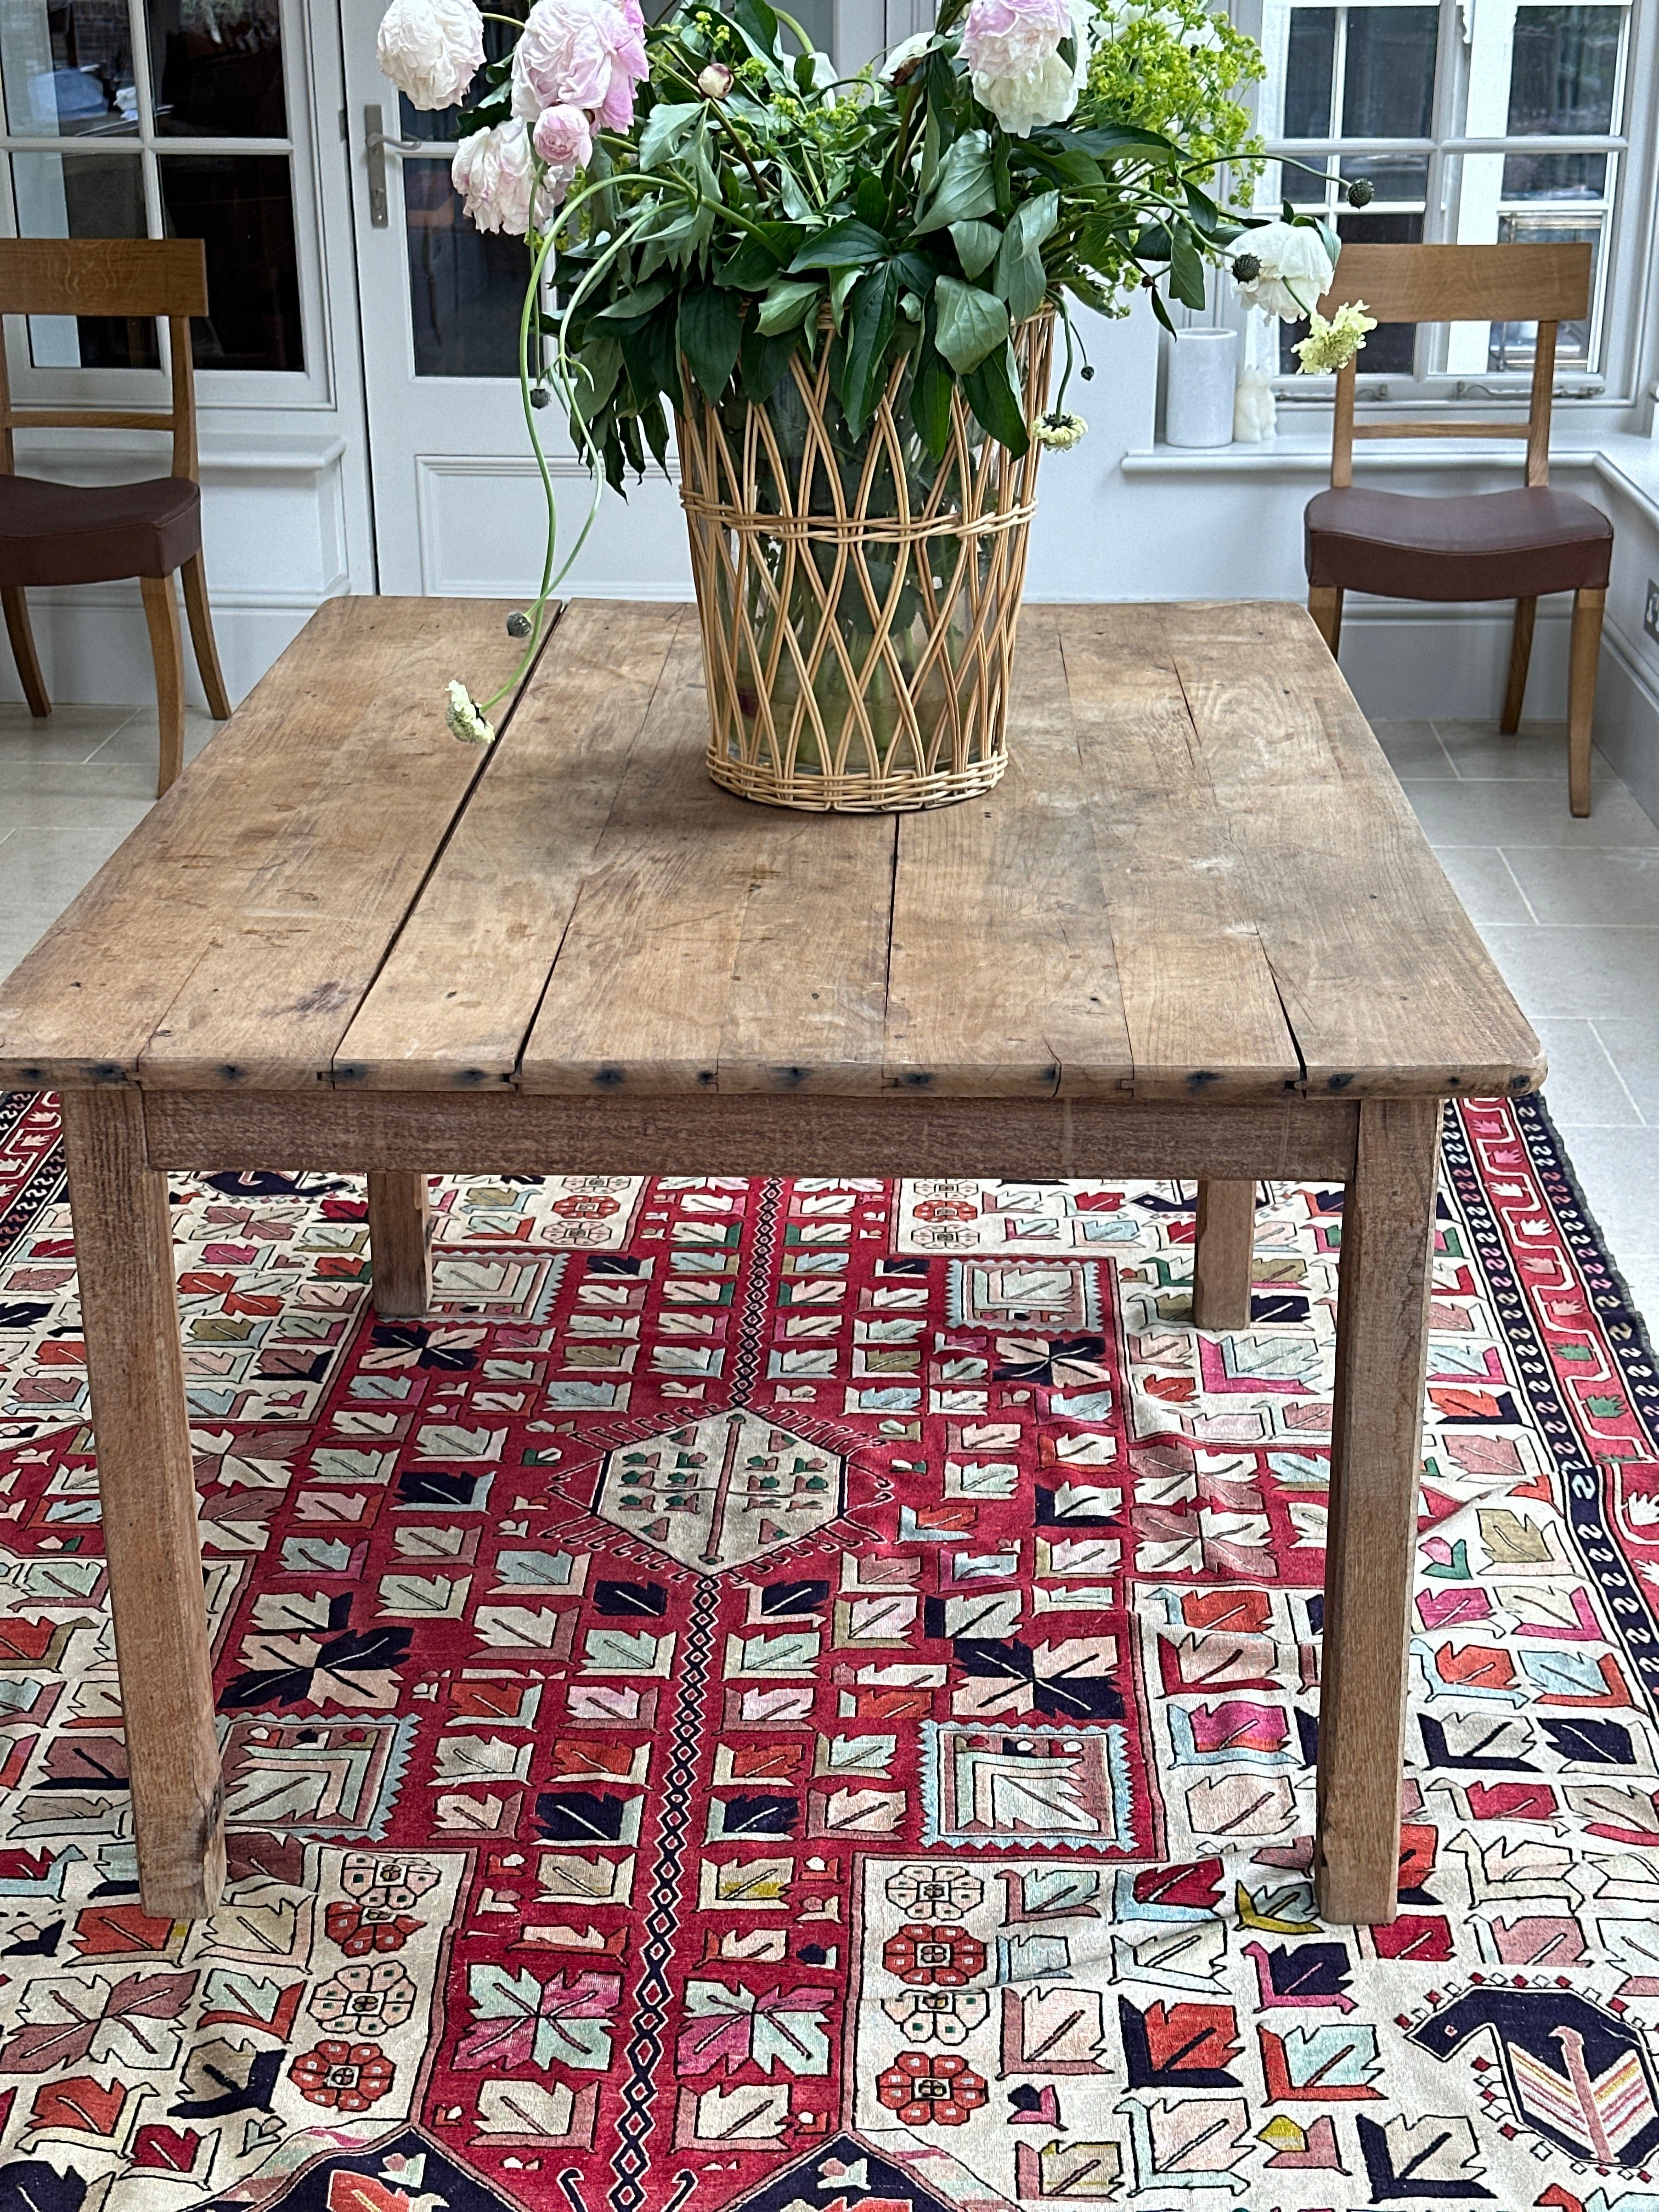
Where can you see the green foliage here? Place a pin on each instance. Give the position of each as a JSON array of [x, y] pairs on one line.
[[891, 220]]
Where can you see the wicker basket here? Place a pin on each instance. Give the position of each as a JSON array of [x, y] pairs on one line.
[[857, 599]]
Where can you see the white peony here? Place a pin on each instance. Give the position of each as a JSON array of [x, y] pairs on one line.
[[431, 49], [904, 56], [1292, 269], [493, 171], [1012, 51]]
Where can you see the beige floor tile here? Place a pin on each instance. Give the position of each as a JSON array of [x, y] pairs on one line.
[[1481, 879], [1587, 972], [1632, 1045], [1414, 749], [1527, 813], [1583, 1090], [1617, 889], [68, 734]]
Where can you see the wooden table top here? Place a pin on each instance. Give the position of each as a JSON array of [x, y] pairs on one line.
[[1198, 880]]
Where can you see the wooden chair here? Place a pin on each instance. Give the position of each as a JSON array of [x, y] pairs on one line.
[[1475, 545], [55, 533]]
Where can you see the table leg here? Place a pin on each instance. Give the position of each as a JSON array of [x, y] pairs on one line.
[[399, 1244], [1376, 1423], [1222, 1255], [130, 1317]]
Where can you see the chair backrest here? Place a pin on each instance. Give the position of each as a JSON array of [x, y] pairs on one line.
[[1545, 284], [142, 277]]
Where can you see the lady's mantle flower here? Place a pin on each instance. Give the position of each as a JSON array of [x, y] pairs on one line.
[[1012, 48], [581, 53], [431, 49], [1061, 430], [494, 171], [1330, 346], [1284, 269], [465, 718]]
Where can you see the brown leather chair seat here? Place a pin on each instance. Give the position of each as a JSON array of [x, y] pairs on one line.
[[54, 533], [1483, 545]]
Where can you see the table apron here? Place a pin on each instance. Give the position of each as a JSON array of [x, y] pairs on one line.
[[708, 1134]]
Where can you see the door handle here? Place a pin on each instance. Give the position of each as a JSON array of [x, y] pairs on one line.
[[376, 144]]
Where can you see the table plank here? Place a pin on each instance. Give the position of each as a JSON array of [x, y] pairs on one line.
[[1204, 1016], [83, 1006], [1003, 980], [716, 945], [1389, 989], [270, 999], [455, 999]]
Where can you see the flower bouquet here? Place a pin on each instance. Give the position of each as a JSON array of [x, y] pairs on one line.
[[847, 291]]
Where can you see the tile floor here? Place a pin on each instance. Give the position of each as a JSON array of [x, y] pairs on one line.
[[1571, 909]]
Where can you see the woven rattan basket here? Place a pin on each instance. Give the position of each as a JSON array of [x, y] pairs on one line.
[[857, 599]]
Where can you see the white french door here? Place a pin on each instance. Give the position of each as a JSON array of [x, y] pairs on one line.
[[458, 502]]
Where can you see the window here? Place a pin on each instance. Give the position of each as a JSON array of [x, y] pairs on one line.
[[1474, 122], [160, 119]]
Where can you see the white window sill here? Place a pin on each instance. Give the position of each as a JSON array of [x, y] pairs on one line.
[[1299, 452], [1622, 460]]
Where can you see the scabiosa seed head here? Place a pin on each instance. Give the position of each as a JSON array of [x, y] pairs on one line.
[[465, 718], [1061, 430], [518, 625], [1361, 192]]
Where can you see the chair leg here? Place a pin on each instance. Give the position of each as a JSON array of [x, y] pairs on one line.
[[1520, 658], [1325, 606], [166, 647], [194, 572], [1586, 650], [23, 653]]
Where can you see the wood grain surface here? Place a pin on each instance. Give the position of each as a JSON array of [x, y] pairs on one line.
[[1199, 881], [362, 683]]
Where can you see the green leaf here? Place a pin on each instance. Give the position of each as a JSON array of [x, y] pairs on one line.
[[871, 200], [971, 323], [710, 333], [667, 130], [966, 187], [764, 363], [976, 245], [1020, 278], [869, 332], [785, 305], [757, 23], [991, 391], [1186, 267], [760, 257], [848, 244], [1110, 139], [930, 399], [633, 306]]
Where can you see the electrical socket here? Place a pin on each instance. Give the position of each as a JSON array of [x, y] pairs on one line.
[[1650, 612]]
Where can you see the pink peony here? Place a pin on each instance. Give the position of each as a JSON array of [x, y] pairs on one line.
[[563, 137], [493, 171], [581, 53]]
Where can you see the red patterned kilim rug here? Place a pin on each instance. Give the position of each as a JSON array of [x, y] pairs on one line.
[[803, 1695]]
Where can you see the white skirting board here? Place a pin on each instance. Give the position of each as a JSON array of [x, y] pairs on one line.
[[95, 649]]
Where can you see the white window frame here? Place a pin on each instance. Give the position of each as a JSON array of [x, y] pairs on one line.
[[1470, 112], [310, 387]]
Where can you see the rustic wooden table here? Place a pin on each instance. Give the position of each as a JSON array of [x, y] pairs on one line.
[[1196, 932]]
